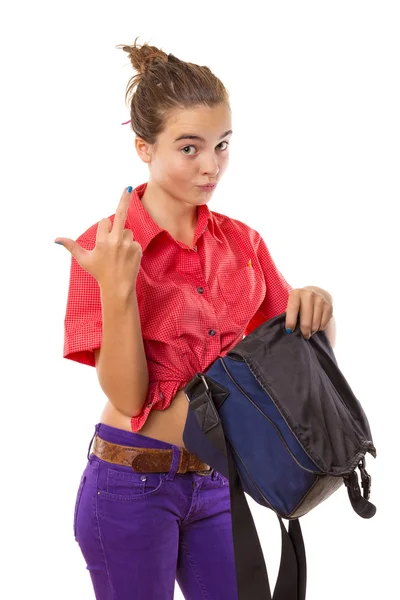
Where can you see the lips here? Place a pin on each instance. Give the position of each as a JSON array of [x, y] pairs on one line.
[[210, 186]]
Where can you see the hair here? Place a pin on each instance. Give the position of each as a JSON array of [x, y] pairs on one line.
[[164, 83]]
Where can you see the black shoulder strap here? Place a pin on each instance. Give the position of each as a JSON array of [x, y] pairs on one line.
[[292, 577], [251, 571]]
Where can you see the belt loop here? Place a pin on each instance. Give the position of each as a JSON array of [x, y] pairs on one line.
[[91, 441], [176, 453]]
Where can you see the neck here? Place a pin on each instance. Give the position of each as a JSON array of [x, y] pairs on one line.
[[177, 217]]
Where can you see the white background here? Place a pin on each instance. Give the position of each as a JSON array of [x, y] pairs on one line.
[[314, 168]]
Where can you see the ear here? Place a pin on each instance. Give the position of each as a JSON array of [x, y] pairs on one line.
[[144, 149]]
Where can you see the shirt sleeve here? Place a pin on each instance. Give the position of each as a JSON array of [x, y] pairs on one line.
[[159, 396], [83, 316], [277, 292]]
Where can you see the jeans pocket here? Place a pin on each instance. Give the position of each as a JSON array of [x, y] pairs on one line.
[[128, 485], [216, 480], [77, 502], [223, 479]]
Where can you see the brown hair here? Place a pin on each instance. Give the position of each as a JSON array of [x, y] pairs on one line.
[[164, 83]]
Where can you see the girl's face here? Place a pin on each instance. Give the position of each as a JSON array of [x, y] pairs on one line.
[[191, 151]]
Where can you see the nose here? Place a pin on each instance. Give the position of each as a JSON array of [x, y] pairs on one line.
[[210, 166]]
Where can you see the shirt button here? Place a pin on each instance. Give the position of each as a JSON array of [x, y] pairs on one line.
[[161, 396], [200, 290], [195, 248], [212, 332]]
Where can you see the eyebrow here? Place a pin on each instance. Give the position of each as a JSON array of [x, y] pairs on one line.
[[188, 136]]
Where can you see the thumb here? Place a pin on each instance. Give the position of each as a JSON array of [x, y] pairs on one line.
[[74, 248]]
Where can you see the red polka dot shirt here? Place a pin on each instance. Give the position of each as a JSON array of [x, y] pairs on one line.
[[195, 303]]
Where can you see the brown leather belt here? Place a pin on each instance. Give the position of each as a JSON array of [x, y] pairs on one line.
[[147, 460]]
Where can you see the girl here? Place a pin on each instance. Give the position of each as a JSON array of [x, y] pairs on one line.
[[157, 292]]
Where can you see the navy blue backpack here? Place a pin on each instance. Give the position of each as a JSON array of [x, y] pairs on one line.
[[276, 417]]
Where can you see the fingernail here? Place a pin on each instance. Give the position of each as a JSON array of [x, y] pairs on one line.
[[61, 244], [130, 188], [288, 330]]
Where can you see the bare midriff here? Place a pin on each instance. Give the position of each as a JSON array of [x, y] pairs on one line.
[[165, 425]]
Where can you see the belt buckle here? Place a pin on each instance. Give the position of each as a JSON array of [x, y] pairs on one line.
[[204, 472]]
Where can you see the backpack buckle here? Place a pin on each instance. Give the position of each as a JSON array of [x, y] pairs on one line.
[[365, 479], [353, 488]]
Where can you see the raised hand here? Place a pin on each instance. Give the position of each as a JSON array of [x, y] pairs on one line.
[[115, 260]]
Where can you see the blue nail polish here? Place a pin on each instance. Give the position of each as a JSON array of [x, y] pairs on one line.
[[288, 330], [130, 188], [61, 244]]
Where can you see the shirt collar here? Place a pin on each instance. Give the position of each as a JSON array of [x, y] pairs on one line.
[[144, 228]]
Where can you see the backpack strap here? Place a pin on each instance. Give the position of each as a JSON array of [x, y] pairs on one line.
[[292, 577], [251, 571]]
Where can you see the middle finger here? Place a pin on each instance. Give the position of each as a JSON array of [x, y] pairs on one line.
[[317, 315], [306, 313], [121, 214]]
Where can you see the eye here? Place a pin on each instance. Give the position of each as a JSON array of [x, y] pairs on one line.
[[186, 147]]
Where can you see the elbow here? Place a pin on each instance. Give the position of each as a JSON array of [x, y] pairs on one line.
[[127, 392], [127, 399], [124, 411], [127, 405]]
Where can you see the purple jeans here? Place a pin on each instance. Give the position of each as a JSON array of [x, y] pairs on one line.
[[138, 532]]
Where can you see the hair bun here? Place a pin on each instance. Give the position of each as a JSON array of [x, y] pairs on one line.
[[142, 56]]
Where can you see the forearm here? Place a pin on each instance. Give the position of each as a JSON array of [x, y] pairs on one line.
[[122, 366]]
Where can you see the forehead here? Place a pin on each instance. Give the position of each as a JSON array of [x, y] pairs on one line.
[[202, 120]]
